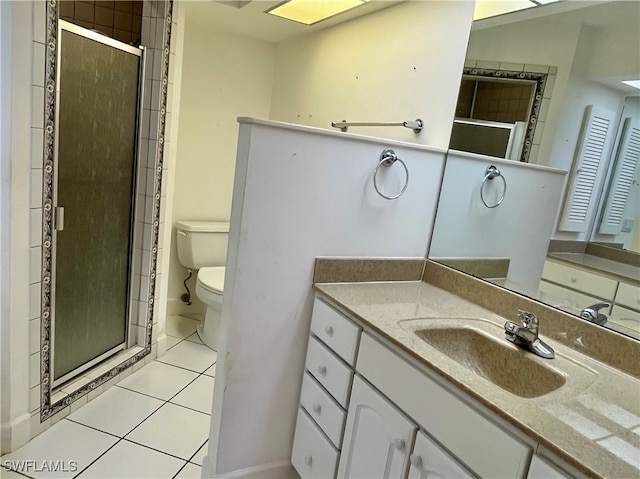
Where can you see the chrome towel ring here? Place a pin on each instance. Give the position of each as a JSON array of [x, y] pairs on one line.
[[387, 158], [491, 173]]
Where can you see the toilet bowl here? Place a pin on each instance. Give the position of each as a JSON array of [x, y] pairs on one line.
[[202, 245], [209, 289]]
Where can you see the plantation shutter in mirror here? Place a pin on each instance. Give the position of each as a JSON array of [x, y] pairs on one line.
[[591, 159], [623, 178]]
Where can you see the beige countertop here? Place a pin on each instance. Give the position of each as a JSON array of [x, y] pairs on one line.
[[620, 271], [592, 422]]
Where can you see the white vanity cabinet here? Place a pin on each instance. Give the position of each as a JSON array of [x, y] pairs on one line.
[[483, 446], [367, 411], [378, 437], [565, 286], [542, 469], [589, 283], [326, 389], [429, 461]]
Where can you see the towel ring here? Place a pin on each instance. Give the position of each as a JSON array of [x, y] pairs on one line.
[[387, 158], [491, 173]]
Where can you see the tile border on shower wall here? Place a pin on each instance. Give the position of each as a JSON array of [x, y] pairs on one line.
[[543, 75], [150, 167]]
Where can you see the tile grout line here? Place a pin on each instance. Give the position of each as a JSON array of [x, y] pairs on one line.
[[180, 470], [91, 427], [18, 472], [158, 450], [193, 455], [96, 459]]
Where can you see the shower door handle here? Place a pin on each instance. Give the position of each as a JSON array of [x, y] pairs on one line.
[[58, 218]]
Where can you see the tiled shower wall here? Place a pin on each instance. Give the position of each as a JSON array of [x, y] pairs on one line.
[[153, 30], [494, 101], [551, 71], [119, 19]]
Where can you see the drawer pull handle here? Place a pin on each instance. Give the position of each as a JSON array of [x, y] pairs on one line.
[[329, 330], [416, 461], [322, 370], [308, 460], [317, 408], [573, 280], [399, 444]]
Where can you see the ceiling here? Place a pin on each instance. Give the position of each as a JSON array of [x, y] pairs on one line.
[[248, 18]]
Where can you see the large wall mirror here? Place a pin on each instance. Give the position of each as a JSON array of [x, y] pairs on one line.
[[581, 54]]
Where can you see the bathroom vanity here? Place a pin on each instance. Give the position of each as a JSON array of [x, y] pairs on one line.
[[404, 379], [582, 279]]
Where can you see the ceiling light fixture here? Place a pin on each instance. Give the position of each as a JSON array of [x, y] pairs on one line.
[[312, 11]]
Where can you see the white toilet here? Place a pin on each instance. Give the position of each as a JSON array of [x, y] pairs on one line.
[[202, 245]]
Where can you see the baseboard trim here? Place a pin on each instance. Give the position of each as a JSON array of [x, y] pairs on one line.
[[276, 470], [15, 434], [162, 344]]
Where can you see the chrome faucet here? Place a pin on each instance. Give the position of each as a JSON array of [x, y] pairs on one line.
[[590, 313], [526, 335]]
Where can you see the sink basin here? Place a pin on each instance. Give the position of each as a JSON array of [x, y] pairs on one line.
[[503, 364]]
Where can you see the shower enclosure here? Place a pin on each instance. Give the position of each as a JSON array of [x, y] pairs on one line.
[[97, 109]]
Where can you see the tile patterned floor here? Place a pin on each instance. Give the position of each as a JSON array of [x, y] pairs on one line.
[[153, 424]]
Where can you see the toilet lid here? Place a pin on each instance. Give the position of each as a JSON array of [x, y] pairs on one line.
[[212, 278]]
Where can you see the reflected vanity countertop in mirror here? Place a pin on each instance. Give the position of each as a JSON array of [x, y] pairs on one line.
[[590, 418], [620, 271]]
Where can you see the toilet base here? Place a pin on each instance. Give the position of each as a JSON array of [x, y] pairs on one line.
[[209, 329]]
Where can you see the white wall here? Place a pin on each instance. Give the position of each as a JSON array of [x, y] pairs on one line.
[[14, 326], [401, 63], [299, 193], [224, 75], [518, 229]]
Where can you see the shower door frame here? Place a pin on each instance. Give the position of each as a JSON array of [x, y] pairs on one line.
[[127, 343], [147, 238]]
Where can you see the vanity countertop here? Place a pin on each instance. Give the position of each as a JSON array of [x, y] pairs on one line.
[[620, 271], [592, 423]]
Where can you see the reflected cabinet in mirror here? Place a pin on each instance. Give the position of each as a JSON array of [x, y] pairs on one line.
[[541, 188]]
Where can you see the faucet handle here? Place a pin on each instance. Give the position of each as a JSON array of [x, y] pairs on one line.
[[528, 319]]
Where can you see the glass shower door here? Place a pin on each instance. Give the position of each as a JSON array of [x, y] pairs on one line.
[[98, 99]]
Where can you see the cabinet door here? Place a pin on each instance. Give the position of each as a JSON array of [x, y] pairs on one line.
[[378, 437], [625, 321], [430, 461], [542, 469]]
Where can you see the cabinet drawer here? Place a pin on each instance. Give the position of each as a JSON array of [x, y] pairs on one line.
[[313, 455], [628, 295], [430, 460], [590, 283], [624, 321], [336, 331], [329, 370], [566, 299], [323, 409], [484, 447]]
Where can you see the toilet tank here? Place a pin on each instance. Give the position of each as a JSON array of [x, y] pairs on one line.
[[202, 243]]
